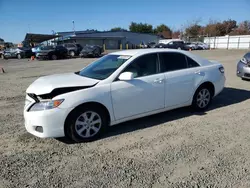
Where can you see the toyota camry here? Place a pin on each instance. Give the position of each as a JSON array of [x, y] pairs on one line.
[[118, 87]]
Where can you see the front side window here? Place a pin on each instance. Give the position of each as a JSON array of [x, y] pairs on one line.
[[103, 67], [172, 61], [143, 66]]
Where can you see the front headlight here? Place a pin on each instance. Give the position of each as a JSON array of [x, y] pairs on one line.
[[244, 60], [46, 105]]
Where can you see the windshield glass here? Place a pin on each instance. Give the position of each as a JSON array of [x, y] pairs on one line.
[[104, 67]]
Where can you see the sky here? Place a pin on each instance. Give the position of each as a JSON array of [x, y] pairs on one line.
[[18, 17]]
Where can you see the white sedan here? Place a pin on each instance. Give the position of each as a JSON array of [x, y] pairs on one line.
[[118, 87]]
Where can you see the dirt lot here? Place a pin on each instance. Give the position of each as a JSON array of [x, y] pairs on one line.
[[172, 149]]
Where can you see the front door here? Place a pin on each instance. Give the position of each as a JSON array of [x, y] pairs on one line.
[[142, 94], [182, 76]]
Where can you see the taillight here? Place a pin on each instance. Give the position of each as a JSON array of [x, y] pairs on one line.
[[221, 69]]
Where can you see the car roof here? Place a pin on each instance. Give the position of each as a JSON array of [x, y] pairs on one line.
[[138, 52]]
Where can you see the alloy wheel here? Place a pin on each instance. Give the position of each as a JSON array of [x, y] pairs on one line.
[[88, 124], [203, 98], [54, 57]]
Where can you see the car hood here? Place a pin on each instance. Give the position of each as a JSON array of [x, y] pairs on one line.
[[47, 84]]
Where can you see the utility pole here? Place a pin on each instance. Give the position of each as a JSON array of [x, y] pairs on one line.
[[73, 22]]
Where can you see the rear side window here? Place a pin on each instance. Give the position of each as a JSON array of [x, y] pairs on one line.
[[191, 63], [172, 62]]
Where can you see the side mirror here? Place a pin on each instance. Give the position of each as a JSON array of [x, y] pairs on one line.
[[125, 76]]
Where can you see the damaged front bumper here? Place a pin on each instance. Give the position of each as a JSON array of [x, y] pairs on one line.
[[45, 123]]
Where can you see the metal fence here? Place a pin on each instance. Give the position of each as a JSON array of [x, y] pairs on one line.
[[229, 42]]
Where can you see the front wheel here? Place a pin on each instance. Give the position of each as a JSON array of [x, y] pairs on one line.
[[202, 98], [86, 124], [72, 54], [54, 57], [19, 56]]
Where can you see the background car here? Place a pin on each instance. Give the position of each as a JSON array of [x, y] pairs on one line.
[[119, 87], [172, 44], [52, 52], [73, 49], [160, 45], [202, 46], [190, 45], [243, 67], [151, 45], [91, 51], [19, 52]]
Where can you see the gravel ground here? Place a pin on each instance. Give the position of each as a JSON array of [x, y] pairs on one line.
[[172, 149]]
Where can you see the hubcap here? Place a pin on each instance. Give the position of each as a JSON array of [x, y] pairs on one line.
[[88, 124], [54, 57], [203, 98]]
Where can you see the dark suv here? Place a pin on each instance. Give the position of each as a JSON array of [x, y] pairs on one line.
[[52, 52], [73, 49], [175, 45]]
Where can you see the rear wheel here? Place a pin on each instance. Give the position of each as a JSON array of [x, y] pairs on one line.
[[202, 98], [86, 124], [54, 57]]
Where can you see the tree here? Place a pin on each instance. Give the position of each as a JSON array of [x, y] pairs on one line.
[[161, 28], [176, 34], [243, 28], [1, 40], [140, 27], [193, 30], [117, 29], [163, 31], [229, 26]]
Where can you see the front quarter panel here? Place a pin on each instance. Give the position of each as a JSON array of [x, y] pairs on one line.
[[98, 93]]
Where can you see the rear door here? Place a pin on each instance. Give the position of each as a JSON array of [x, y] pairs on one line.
[[182, 76]]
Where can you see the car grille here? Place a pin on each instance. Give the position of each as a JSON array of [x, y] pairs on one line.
[[246, 75]]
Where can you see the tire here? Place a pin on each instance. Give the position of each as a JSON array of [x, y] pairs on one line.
[[85, 130], [72, 54], [202, 98], [19, 56], [53, 57]]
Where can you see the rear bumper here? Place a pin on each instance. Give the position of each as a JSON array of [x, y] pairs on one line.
[[219, 85], [243, 71]]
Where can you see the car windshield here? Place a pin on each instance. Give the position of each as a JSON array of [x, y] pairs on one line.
[[104, 67]]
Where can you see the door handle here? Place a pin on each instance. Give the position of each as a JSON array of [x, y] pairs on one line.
[[200, 73], [159, 80]]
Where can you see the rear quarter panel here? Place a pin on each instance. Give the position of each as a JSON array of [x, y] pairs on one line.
[[213, 75]]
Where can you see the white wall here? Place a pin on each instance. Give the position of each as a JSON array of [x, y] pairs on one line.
[[229, 42]]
